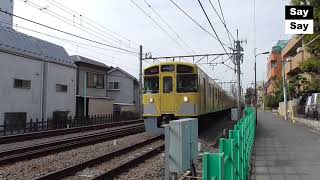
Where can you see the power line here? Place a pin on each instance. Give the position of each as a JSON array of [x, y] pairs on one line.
[[195, 21], [68, 21], [92, 22], [169, 26], [65, 40], [213, 28], [70, 34], [145, 13], [222, 20]]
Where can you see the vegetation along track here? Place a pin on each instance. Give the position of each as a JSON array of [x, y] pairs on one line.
[[29, 152], [57, 132], [99, 160]]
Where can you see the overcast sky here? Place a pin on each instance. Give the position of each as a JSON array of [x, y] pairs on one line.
[[124, 18]]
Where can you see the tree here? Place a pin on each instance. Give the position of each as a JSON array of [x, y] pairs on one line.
[[295, 84], [249, 97]]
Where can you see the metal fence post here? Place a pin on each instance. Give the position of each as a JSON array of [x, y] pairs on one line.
[[213, 166], [226, 146]]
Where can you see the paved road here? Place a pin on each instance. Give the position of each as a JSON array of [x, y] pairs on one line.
[[284, 151]]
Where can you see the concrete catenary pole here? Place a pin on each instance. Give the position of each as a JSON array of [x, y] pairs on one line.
[[284, 89], [238, 59], [140, 82]]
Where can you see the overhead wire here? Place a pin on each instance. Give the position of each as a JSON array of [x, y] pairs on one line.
[[68, 21], [82, 19], [166, 32], [213, 28], [169, 26], [65, 40], [71, 42], [92, 22], [62, 19], [65, 32], [223, 21], [191, 18]]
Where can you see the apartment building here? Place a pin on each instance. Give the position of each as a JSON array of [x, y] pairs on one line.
[[274, 66], [293, 54]]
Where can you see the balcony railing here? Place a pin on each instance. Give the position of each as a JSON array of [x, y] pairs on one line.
[[293, 65], [291, 44]]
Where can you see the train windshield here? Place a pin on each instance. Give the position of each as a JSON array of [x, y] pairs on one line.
[[151, 84], [187, 83]]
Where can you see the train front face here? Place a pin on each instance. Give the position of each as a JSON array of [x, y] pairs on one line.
[[170, 93]]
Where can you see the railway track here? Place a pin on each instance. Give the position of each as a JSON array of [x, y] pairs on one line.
[[57, 132], [113, 172], [30, 152]]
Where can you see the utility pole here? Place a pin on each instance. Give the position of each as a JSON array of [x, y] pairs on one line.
[[140, 82], [238, 58], [284, 84]]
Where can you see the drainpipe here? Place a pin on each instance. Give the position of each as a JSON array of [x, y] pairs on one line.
[[41, 90], [85, 95]]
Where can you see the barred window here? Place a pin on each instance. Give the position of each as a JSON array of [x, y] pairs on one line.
[[95, 80], [22, 84]]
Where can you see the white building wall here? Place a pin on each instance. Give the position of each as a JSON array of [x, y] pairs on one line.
[[6, 5], [125, 94], [19, 100], [60, 101]]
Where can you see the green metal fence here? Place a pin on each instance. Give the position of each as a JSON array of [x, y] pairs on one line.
[[233, 160]]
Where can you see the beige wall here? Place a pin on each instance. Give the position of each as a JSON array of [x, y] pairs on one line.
[[100, 107], [292, 108]]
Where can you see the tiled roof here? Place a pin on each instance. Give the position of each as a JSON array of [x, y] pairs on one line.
[[78, 58], [16, 42]]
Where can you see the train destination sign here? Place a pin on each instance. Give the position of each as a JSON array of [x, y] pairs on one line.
[[299, 20]]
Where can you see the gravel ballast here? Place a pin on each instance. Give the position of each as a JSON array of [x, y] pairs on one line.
[[8, 146], [106, 166], [38, 167]]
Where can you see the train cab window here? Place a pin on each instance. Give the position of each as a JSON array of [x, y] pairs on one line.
[[187, 83], [152, 70], [167, 85], [151, 85], [167, 68], [184, 69]]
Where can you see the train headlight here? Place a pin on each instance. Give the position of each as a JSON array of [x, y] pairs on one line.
[[150, 100], [185, 99]]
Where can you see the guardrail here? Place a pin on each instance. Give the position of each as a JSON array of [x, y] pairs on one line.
[[233, 160]]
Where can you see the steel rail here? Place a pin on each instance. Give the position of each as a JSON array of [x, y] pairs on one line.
[[127, 165], [96, 161], [51, 133], [30, 152]]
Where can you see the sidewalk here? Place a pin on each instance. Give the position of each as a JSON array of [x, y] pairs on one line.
[[284, 151]]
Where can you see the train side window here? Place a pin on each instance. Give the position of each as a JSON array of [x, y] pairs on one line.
[[167, 85]]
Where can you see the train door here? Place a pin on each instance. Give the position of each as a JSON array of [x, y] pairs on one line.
[[203, 96], [167, 95], [213, 97]]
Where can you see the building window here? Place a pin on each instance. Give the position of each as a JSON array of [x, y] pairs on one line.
[[22, 84], [15, 120], [273, 64], [113, 86], [61, 88], [95, 80]]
